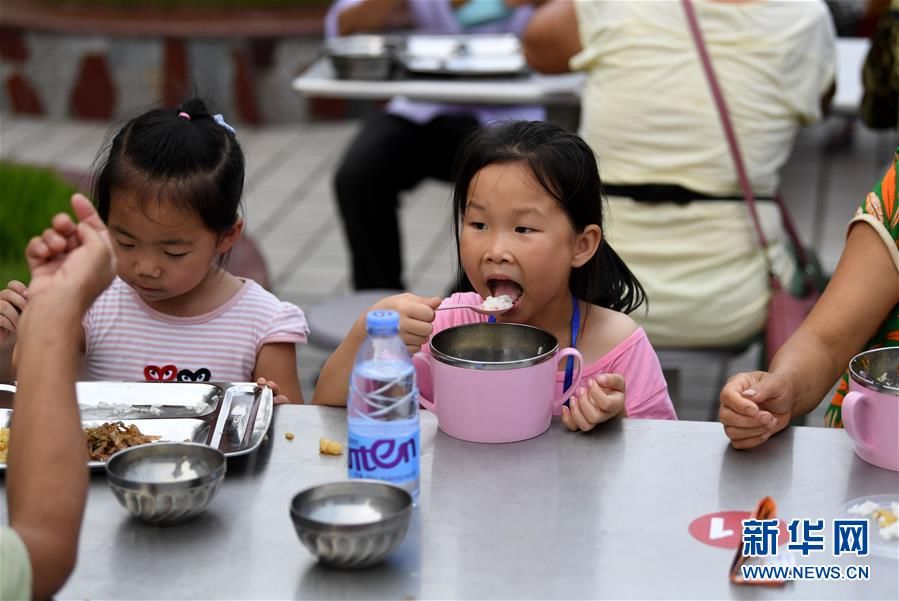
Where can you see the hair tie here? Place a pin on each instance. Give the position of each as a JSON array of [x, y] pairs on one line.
[[221, 121], [185, 115]]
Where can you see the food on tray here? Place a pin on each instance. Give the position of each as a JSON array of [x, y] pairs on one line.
[[887, 519], [105, 440], [326, 446], [4, 440], [289, 435], [498, 303]]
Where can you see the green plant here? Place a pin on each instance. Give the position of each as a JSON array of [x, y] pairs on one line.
[[29, 198]]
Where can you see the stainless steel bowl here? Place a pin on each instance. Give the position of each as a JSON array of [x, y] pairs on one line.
[[493, 346], [352, 524], [166, 483], [369, 57]]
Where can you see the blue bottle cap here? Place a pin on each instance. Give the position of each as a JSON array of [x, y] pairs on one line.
[[382, 322]]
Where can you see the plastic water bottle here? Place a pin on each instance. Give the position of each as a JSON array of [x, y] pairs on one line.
[[382, 408]]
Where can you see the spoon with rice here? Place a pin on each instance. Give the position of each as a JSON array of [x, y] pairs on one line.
[[492, 305]]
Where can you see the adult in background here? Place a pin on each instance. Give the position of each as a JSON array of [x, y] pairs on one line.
[[411, 141], [47, 474], [677, 215]]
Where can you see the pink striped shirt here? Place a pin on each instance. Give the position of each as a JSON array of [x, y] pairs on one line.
[[126, 339], [634, 358]]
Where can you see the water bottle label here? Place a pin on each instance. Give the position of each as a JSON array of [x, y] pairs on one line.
[[393, 460]]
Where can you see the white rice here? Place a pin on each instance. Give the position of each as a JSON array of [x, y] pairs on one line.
[[863, 509], [498, 303]]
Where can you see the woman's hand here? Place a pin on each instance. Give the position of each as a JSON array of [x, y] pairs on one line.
[[754, 406], [48, 254], [416, 317], [601, 400]]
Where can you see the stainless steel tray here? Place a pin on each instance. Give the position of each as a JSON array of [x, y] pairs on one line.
[[140, 400], [248, 418], [492, 55], [232, 416]]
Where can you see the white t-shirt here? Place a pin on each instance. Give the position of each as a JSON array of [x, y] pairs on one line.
[[126, 339], [647, 109]]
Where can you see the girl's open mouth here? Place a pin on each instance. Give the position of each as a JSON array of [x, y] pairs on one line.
[[503, 286]]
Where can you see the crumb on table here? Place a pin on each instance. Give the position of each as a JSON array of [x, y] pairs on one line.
[[326, 446], [289, 435]]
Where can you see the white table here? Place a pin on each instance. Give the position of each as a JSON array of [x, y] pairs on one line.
[[547, 90], [535, 89], [563, 515]]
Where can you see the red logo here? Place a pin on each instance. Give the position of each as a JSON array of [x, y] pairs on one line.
[[166, 373], [725, 529]]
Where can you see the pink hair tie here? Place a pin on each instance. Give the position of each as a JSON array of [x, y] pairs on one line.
[[185, 115]]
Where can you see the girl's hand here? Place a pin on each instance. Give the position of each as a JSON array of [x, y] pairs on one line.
[[754, 406], [601, 400], [13, 300], [416, 317], [278, 398]]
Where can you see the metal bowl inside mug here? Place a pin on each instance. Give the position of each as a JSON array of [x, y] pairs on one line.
[[877, 369], [351, 524], [493, 346], [166, 483], [368, 57]]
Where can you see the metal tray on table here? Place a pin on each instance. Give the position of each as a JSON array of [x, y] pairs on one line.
[[474, 55], [232, 416]]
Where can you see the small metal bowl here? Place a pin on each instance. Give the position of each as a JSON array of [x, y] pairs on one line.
[[367, 57], [166, 483], [352, 524]]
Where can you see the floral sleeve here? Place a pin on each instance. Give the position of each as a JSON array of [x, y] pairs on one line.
[[879, 209]]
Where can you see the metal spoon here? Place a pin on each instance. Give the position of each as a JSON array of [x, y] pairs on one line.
[[476, 308]]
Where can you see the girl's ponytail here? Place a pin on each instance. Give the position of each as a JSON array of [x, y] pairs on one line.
[[616, 287], [184, 157]]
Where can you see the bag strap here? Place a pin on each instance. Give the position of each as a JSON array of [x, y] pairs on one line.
[[723, 113], [737, 158], [793, 234]]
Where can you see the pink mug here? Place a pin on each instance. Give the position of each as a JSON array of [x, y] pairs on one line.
[[495, 382], [871, 409]]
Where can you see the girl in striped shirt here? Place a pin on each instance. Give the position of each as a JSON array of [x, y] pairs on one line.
[[169, 192]]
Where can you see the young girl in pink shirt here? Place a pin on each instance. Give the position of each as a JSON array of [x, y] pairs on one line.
[[529, 224], [169, 192]]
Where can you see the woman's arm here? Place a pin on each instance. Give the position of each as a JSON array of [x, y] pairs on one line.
[[552, 37], [277, 361], [46, 410], [861, 294], [859, 297], [46, 475]]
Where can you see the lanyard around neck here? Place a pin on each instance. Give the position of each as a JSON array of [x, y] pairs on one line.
[[575, 328]]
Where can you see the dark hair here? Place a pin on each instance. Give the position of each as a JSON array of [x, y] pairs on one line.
[[565, 166], [192, 164]]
